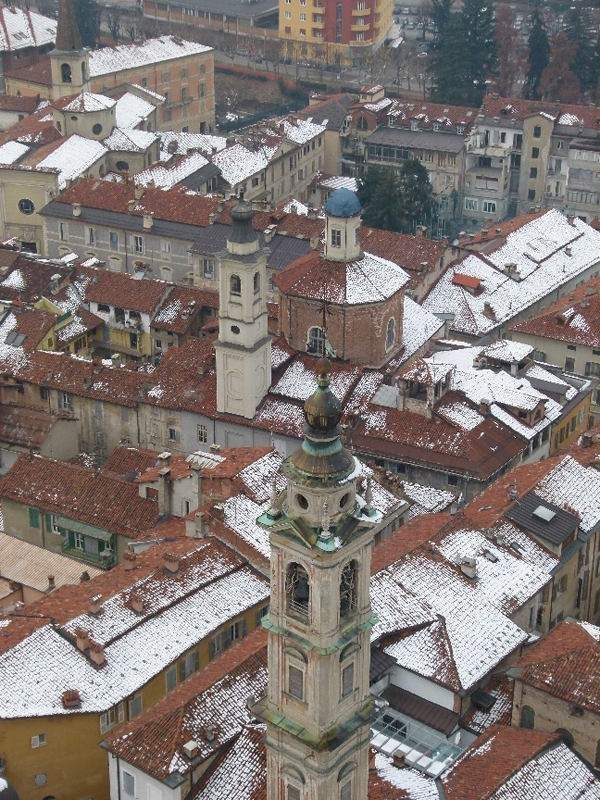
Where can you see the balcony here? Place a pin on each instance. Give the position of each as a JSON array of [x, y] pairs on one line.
[[361, 28], [318, 25], [356, 12], [490, 150], [104, 561]]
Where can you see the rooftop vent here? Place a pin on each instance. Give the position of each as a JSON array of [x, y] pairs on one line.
[[543, 513], [215, 448], [190, 749], [210, 733], [82, 638], [97, 653], [468, 567], [129, 560], [71, 698], [171, 562]]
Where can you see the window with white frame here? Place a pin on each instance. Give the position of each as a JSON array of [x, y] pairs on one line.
[[39, 740], [316, 341], [470, 204], [135, 706], [202, 434], [166, 248], [189, 665], [489, 207], [208, 269], [225, 638], [111, 717], [138, 244], [336, 237]]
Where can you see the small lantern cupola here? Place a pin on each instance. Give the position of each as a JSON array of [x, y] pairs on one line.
[[342, 226]]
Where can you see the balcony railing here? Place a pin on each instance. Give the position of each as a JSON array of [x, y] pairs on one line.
[[105, 561]]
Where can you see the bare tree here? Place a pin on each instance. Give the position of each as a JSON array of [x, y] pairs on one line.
[[511, 53], [113, 21]]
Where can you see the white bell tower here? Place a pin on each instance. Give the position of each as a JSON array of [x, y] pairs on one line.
[[318, 707], [243, 349]]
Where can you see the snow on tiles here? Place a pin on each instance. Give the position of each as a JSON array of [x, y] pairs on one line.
[[395, 607], [167, 177], [415, 785], [182, 143], [462, 415], [74, 157], [237, 163], [20, 29], [258, 477], [152, 51], [503, 578], [298, 381], [373, 278], [43, 666], [426, 499], [573, 484], [12, 151], [548, 252], [131, 110], [418, 326], [558, 773], [87, 101], [426, 652], [15, 281], [480, 635], [240, 514], [302, 131]]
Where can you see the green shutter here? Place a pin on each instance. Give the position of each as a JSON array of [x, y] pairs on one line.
[[34, 518], [48, 522], [71, 536]]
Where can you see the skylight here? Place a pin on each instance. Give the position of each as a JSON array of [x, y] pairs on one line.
[[543, 513]]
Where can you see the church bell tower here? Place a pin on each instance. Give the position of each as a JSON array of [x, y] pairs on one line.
[[243, 349], [69, 61], [318, 707]]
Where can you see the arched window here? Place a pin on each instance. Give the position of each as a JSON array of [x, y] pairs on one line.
[[390, 337], [316, 341], [297, 591], [348, 595], [527, 718], [567, 736], [122, 166], [235, 285], [256, 282], [362, 124], [65, 73]]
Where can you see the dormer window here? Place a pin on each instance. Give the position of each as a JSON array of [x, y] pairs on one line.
[[235, 285], [414, 124], [436, 126], [460, 129], [336, 237]]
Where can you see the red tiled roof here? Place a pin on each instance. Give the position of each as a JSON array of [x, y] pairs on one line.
[[495, 236], [416, 254], [177, 310], [35, 277], [125, 291], [491, 760], [18, 103], [428, 113], [40, 72], [465, 280], [34, 324], [36, 129], [126, 460], [409, 537], [95, 498], [502, 689], [155, 737], [25, 426], [185, 378], [574, 319], [511, 108], [175, 205], [565, 663]]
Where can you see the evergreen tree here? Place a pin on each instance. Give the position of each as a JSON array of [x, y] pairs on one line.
[[539, 51], [447, 65], [481, 47], [416, 192], [380, 196], [87, 13], [577, 28]]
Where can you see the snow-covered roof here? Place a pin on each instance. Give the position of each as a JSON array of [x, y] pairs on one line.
[[20, 28], [547, 252], [132, 110], [570, 483], [182, 143], [181, 611], [506, 350], [237, 163], [129, 140], [167, 177], [302, 131], [418, 326], [87, 101], [12, 151], [74, 157], [153, 51]]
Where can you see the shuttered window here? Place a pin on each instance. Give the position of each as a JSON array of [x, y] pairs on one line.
[[296, 683], [348, 680]]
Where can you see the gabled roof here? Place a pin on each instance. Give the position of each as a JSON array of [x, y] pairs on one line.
[[124, 291], [125, 461], [78, 493], [567, 114], [216, 695], [331, 111], [429, 115], [565, 663], [176, 312], [20, 28], [108, 60], [516, 764], [25, 427]]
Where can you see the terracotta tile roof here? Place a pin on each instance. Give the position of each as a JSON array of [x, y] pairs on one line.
[[408, 537], [125, 291], [127, 460], [95, 498], [415, 254], [36, 129], [32, 280], [185, 378], [565, 663], [508, 108], [19, 103], [495, 235], [216, 695], [502, 689], [458, 279], [428, 114], [174, 205], [574, 319], [491, 760], [176, 312], [330, 111], [387, 782], [34, 324], [22, 427], [40, 72]]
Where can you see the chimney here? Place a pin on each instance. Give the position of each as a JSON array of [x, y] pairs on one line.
[[500, 537], [148, 221], [138, 192], [71, 698], [164, 458], [96, 604], [171, 562], [421, 231], [96, 652], [76, 209], [513, 495], [136, 602], [210, 733], [194, 528], [212, 217], [190, 749], [468, 567], [131, 205], [82, 638], [164, 491], [197, 473], [55, 283], [51, 583], [129, 560], [484, 406]]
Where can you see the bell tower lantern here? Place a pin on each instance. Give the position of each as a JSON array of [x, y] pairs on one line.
[[318, 707], [69, 61], [243, 349]]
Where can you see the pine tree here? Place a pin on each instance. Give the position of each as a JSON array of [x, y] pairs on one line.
[[481, 47], [416, 192], [87, 13], [577, 28], [539, 51], [446, 64], [380, 196]]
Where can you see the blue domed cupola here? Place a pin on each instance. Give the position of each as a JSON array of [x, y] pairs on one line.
[[342, 226]]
